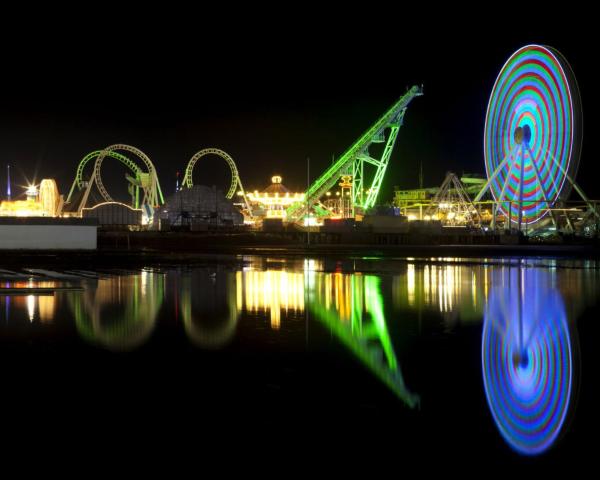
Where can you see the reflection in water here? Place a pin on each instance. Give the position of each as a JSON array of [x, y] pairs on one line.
[[118, 313], [527, 355], [460, 291], [38, 307], [47, 307], [527, 359], [270, 291], [352, 307], [31, 307], [208, 307], [453, 289]]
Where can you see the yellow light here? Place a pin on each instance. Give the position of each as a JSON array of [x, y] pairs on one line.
[[49, 197], [21, 208], [114, 203]]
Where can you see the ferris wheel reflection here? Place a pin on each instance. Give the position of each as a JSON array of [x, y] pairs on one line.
[[527, 359]]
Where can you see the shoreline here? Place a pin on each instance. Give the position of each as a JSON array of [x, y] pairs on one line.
[[111, 258]]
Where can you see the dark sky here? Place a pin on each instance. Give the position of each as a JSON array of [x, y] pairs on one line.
[[270, 92]]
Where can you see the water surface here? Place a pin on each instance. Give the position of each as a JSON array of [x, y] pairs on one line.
[[432, 357]]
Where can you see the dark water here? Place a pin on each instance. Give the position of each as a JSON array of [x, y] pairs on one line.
[[479, 360]]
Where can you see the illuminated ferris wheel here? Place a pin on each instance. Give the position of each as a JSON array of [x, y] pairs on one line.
[[528, 360], [533, 133]]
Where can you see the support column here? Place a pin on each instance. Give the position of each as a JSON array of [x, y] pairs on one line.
[[521, 180], [539, 179]]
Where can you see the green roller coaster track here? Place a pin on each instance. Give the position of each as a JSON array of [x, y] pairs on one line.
[[80, 182], [352, 162], [236, 182], [152, 193]]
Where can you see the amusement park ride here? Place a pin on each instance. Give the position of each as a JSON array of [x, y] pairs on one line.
[[353, 161], [144, 179], [532, 142], [532, 145]]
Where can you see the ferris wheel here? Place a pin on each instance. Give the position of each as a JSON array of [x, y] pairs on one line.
[[528, 361], [533, 133]]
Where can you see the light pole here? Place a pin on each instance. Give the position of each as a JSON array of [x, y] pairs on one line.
[[8, 192], [306, 198]]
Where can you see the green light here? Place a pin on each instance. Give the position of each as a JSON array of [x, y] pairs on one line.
[[207, 336], [366, 334], [133, 325], [355, 158]]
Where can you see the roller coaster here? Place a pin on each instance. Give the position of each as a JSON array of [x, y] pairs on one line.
[[142, 180]]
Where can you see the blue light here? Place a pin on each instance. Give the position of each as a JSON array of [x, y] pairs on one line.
[[8, 192], [527, 360]]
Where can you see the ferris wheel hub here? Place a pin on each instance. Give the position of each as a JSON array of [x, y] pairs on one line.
[[520, 359], [522, 135]]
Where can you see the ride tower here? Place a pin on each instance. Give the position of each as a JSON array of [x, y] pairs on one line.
[[355, 162]]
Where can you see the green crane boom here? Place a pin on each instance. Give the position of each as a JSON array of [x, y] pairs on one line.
[[353, 160]]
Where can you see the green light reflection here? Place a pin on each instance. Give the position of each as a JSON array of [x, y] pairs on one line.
[[352, 307], [118, 313]]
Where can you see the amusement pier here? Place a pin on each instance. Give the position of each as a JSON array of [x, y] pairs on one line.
[[526, 194]]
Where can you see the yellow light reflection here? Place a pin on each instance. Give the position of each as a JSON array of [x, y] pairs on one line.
[[46, 305], [410, 279], [451, 288], [31, 307], [270, 291]]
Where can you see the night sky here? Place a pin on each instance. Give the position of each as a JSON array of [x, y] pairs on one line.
[[270, 93]]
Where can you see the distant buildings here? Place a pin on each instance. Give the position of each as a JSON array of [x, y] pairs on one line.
[[274, 200], [44, 201]]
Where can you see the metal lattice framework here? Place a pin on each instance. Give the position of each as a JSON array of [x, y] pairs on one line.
[[353, 161], [148, 183], [144, 180], [80, 182], [532, 137], [236, 182], [452, 203]]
